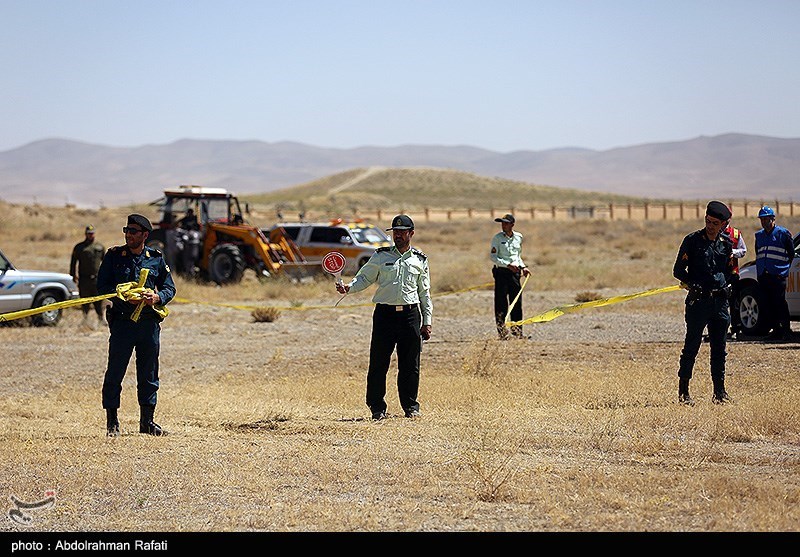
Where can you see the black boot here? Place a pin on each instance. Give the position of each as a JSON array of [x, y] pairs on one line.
[[720, 396], [112, 422], [683, 392], [146, 423]]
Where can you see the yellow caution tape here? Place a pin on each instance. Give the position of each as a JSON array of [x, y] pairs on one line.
[[304, 308], [514, 302], [128, 291], [559, 311]]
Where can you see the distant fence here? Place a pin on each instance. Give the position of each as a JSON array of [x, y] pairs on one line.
[[611, 211]]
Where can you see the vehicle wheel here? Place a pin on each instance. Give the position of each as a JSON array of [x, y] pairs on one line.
[[48, 318], [750, 308], [225, 264], [157, 242]]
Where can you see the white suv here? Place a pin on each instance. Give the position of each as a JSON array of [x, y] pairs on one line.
[[356, 240], [20, 290], [750, 299]]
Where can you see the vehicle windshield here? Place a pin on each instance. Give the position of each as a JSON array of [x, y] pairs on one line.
[[369, 235], [4, 263]]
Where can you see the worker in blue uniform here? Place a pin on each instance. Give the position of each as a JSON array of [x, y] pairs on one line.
[[774, 256], [122, 264]]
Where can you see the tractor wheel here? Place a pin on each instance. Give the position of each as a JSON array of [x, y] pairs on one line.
[[157, 241], [751, 310], [48, 318], [225, 264]]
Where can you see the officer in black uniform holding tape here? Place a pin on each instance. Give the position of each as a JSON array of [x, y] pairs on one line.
[[703, 266], [402, 316], [122, 264]]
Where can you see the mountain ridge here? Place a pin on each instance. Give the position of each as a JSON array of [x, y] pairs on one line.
[[733, 165]]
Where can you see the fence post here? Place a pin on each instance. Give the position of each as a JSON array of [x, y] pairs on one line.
[[646, 210], [449, 215], [697, 210], [681, 211], [492, 212], [533, 213], [630, 211], [469, 212], [777, 207], [553, 209], [746, 203], [665, 212], [379, 214], [427, 214], [610, 211]]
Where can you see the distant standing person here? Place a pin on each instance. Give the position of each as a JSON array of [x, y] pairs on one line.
[[122, 264], [739, 252], [83, 266], [774, 256], [703, 265], [401, 319], [506, 254]]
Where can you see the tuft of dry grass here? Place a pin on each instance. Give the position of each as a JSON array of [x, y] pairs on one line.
[[587, 296], [265, 315]]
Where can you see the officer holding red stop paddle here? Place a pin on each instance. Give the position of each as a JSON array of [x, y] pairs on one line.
[[401, 319]]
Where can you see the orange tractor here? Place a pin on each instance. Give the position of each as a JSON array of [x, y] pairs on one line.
[[203, 234]]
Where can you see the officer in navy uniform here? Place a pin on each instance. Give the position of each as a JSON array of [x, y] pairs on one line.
[[122, 264], [402, 316], [703, 266]]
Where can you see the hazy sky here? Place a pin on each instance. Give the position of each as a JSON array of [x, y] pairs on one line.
[[504, 75]]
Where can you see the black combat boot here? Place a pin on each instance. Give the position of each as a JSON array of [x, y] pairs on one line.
[[720, 396], [146, 423], [683, 392], [112, 422]]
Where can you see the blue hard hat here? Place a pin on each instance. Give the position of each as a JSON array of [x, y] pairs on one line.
[[766, 212]]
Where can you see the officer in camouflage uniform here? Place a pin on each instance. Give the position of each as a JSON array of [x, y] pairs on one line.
[[83, 266], [703, 266], [402, 316], [122, 264]]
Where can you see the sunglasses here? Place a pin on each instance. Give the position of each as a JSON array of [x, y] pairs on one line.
[[128, 229]]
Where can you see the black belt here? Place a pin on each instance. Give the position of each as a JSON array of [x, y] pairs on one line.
[[399, 307]]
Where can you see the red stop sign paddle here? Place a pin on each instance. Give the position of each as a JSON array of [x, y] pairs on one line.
[[333, 263]]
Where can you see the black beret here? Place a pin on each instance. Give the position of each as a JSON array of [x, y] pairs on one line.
[[718, 210], [141, 220], [402, 222]]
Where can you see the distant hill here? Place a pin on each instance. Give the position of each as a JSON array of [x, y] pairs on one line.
[[731, 166], [377, 187]]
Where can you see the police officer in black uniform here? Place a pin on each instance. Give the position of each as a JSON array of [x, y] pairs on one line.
[[402, 316], [703, 266], [122, 264]]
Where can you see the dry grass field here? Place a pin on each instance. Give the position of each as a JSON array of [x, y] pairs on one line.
[[576, 429]]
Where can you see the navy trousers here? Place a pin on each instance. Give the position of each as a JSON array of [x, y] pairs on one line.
[[712, 312], [143, 336]]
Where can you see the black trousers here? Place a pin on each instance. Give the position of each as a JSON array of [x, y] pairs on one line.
[[711, 312], [400, 328], [145, 337], [775, 306], [506, 288]]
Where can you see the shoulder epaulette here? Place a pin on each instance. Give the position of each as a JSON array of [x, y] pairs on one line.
[[384, 248], [419, 254], [154, 252]]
